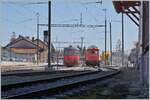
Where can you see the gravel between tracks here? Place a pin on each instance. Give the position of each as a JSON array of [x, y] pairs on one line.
[[125, 85], [53, 84]]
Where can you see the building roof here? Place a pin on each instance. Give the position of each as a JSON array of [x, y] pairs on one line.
[[21, 42], [24, 45], [40, 42], [44, 43]]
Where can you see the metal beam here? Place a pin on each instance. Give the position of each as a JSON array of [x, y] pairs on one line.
[[105, 34], [122, 39], [37, 38], [129, 12], [0, 53], [110, 42], [136, 10], [49, 34], [130, 3], [133, 14], [132, 19], [65, 42], [73, 25]]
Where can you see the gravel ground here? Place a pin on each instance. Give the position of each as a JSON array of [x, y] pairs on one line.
[[129, 81], [123, 86]]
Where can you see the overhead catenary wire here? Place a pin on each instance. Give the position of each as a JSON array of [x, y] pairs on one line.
[[16, 24], [29, 9], [20, 13], [32, 2], [89, 11], [34, 12], [39, 3], [95, 19]]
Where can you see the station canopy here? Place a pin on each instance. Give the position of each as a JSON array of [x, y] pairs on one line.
[[121, 6], [130, 8]]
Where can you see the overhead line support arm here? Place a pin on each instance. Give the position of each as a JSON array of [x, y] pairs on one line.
[[73, 25]]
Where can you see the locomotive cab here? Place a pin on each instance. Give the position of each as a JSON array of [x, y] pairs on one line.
[[92, 56], [71, 56]]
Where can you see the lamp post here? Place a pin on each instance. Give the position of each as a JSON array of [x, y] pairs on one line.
[[110, 26], [37, 38], [111, 37], [49, 33], [0, 53], [110, 42], [122, 39], [105, 32], [82, 50]]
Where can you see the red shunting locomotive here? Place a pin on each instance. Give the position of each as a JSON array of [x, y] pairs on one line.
[[92, 56], [71, 56]]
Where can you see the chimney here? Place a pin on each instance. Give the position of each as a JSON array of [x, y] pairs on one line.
[[13, 37], [32, 39], [45, 36]]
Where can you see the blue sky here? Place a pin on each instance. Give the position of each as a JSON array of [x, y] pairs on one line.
[[20, 17]]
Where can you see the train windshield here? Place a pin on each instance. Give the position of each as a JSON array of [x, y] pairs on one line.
[[90, 51], [71, 51], [94, 52]]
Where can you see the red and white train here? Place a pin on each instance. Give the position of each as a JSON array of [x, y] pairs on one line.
[[92, 56], [72, 56]]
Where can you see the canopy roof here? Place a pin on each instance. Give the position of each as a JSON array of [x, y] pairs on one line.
[[121, 6], [130, 8]]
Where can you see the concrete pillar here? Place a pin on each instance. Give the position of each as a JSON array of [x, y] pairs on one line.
[[140, 45], [0, 54]]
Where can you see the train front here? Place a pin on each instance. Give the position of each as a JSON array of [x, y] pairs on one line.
[[92, 56], [71, 56]]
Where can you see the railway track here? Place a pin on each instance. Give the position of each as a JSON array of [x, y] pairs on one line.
[[28, 72], [34, 89], [41, 78]]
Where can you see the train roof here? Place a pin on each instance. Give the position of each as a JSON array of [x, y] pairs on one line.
[[92, 47], [71, 47]]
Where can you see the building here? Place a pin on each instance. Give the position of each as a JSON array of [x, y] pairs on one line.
[[133, 56], [117, 58], [138, 12], [144, 42], [25, 49], [43, 53], [21, 48]]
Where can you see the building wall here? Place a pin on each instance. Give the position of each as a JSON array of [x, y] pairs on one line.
[[43, 53], [44, 56], [145, 23], [144, 42], [145, 38], [8, 55], [117, 58]]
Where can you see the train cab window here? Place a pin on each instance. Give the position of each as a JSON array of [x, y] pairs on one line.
[[70, 51], [96, 52], [93, 52]]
